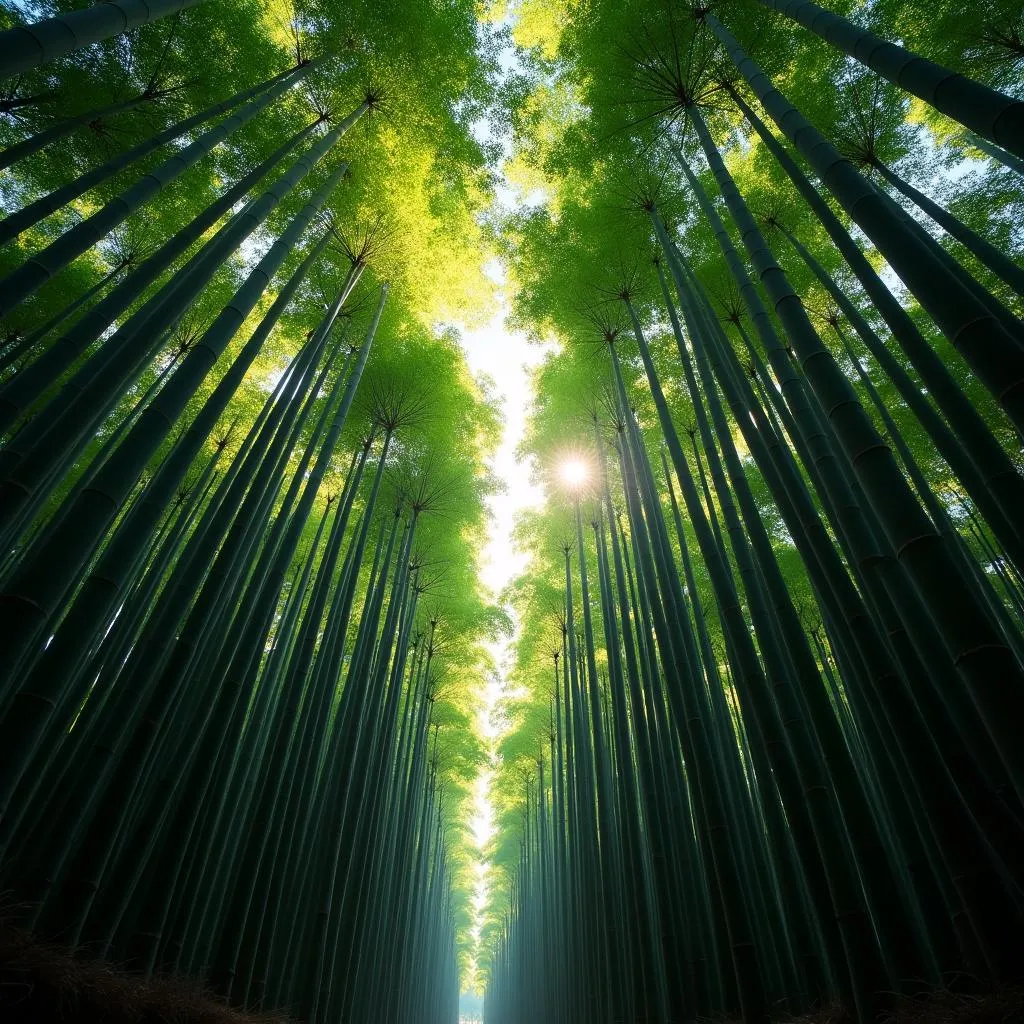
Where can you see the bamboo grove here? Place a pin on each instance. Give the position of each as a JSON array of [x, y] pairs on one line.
[[765, 755], [763, 751], [242, 491]]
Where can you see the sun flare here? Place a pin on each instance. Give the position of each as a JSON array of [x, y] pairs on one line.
[[574, 472]]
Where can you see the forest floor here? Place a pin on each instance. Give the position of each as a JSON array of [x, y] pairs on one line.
[[41, 984], [1002, 1007], [1005, 1006]]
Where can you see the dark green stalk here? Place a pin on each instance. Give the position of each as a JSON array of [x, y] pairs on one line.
[[956, 454], [980, 654], [40, 140], [986, 253], [40, 267], [45, 371], [28, 46], [995, 468], [989, 113], [45, 571], [971, 327]]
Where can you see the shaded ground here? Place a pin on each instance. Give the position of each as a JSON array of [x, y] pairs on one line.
[[1003, 1007], [41, 984]]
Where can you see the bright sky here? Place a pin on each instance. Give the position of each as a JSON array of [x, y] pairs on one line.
[[506, 358]]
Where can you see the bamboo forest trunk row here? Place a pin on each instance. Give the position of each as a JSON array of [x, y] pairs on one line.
[[801, 643], [219, 724]]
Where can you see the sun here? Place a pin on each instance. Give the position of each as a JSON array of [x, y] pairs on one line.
[[574, 473]]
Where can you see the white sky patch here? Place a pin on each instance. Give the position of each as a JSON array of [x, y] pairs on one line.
[[506, 357]]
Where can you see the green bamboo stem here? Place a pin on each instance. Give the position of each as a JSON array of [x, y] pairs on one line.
[[994, 152], [996, 469], [820, 834], [716, 827], [976, 646], [955, 453], [987, 254], [28, 46], [66, 549], [990, 114], [41, 266], [72, 307], [48, 368], [100, 598], [40, 140], [33, 213], [972, 328]]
